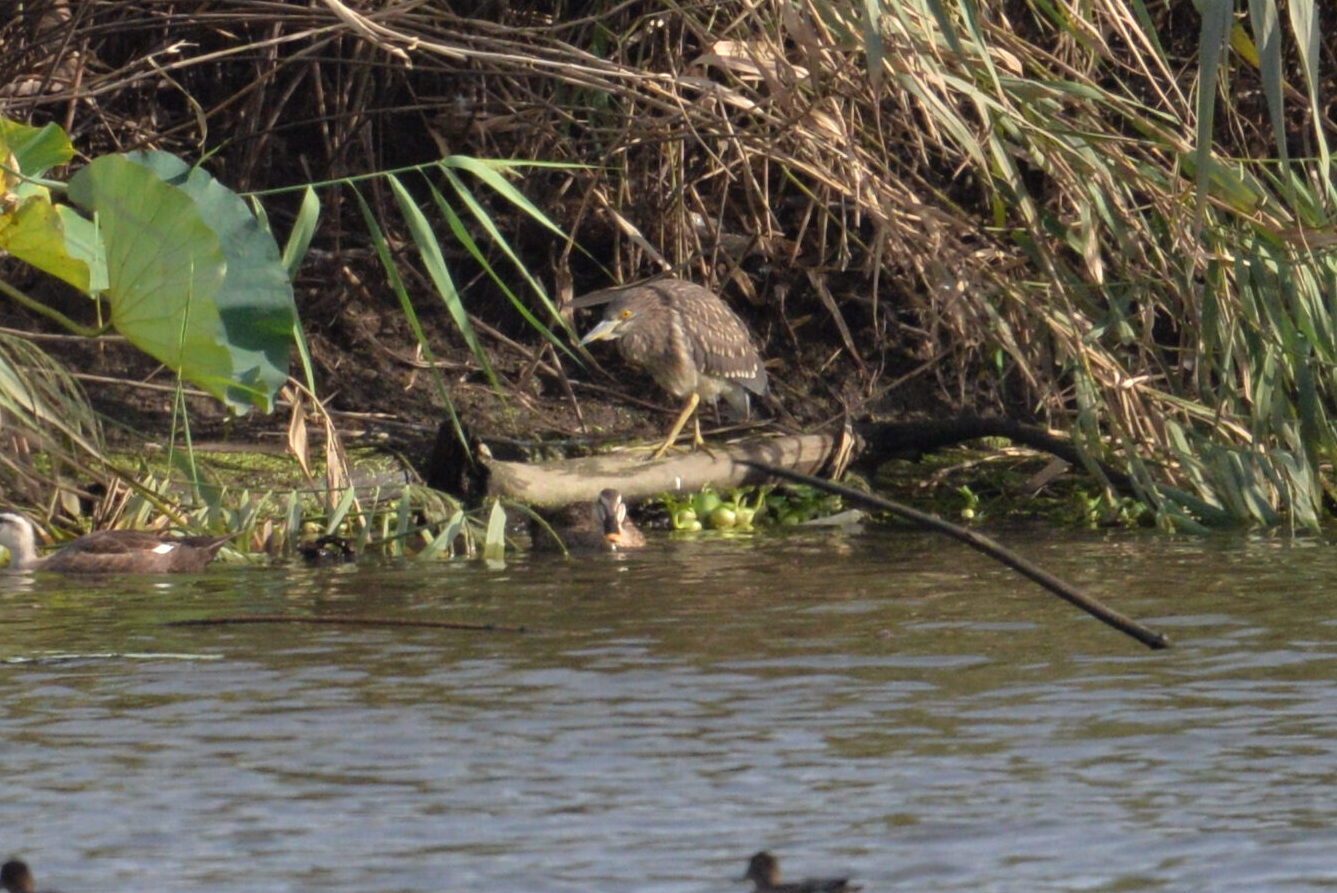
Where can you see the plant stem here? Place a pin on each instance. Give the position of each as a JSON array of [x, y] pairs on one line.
[[49, 313]]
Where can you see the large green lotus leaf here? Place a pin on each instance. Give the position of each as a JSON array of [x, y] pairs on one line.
[[164, 267], [37, 149], [255, 299], [36, 233], [84, 243]]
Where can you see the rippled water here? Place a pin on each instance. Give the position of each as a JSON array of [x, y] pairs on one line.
[[886, 705]]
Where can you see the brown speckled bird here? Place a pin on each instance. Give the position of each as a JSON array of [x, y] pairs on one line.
[[688, 339]]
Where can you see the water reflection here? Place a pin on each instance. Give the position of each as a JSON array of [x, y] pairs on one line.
[[889, 706]]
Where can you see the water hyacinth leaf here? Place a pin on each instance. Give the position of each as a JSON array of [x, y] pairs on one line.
[[255, 299]]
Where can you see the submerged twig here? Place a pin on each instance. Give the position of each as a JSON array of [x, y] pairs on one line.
[[348, 620], [107, 655], [984, 544]]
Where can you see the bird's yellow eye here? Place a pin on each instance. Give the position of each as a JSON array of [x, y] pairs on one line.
[[626, 314]]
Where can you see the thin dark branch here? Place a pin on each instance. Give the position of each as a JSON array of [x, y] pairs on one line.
[[347, 620], [980, 543]]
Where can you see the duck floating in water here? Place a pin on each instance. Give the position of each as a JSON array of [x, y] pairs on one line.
[[327, 550], [108, 551], [16, 878], [764, 872], [603, 527]]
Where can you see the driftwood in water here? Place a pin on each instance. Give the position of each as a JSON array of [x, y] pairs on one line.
[[475, 474], [576, 480], [565, 481]]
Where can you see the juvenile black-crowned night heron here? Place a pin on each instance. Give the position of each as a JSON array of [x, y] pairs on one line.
[[688, 339]]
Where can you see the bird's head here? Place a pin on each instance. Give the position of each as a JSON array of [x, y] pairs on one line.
[[622, 316], [16, 532], [763, 868], [610, 513]]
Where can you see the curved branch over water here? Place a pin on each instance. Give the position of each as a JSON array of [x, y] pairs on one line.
[[980, 543]]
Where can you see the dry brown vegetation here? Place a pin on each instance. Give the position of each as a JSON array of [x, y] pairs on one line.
[[1011, 213]]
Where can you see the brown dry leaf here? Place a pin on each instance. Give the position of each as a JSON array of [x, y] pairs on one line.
[[297, 439], [336, 468], [753, 59]]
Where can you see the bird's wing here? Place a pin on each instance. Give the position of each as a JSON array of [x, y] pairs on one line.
[[727, 352], [119, 542]]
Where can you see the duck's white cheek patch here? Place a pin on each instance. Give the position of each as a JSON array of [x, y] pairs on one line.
[[164, 548]]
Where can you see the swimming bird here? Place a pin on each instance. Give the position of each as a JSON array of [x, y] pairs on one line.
[[16, 878], [764, 872], [602, 527], [688, 339], [108, 551], [327, 549]]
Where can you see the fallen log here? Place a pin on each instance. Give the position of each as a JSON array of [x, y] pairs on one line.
[[475, 474], [565, 481]]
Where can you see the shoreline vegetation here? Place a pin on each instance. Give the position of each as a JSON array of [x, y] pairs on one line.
[[1107, 239]]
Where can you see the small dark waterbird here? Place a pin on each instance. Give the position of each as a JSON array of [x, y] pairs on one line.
[[763, 870], [690, 342], [108, 551], [15, 877], [328, 549], [603, 526]]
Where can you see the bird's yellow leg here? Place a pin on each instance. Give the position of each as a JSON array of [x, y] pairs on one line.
[[699, 442], [687, 410]]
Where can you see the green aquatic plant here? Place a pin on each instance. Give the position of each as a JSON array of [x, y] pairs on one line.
[[172, 259], [746, 508]]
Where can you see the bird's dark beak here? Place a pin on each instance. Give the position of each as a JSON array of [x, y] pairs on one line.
[[605, 330]]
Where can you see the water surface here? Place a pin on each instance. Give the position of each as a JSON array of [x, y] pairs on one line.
[[886, 705]]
